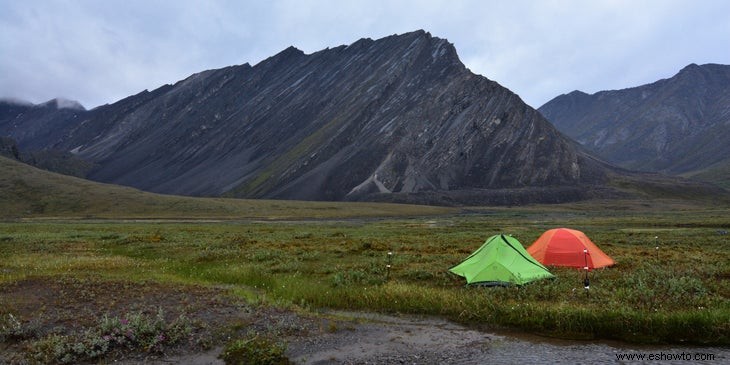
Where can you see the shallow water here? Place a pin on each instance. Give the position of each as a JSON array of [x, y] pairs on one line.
[[383, 339], [511, 350], [416, 340]]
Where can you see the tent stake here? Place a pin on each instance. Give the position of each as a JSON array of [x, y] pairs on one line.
[[586, 280], [387, 267]]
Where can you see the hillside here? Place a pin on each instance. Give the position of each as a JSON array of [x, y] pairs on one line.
[[29, 192], [676, 126], [394, 119], [26, 191]]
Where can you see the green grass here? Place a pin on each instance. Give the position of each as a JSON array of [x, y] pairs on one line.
[[658, 187], [718, 174], [334, 255], [680, 294]]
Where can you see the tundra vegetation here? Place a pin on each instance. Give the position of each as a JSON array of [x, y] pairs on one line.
[[671, 283]]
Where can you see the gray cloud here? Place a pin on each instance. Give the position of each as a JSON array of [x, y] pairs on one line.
[[98, 52]]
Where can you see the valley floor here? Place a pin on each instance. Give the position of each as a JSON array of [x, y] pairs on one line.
[[102, 291]]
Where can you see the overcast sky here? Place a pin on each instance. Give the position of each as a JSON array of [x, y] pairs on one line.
[[100, 51]]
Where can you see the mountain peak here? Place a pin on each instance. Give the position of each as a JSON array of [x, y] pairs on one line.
[[56, 103], [15, 101], [288, 52], [61, 103], [440, 49], [689, 70], [421, 35], [706, 71], [576, 93]]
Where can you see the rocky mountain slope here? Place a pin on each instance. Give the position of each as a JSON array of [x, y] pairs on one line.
[[679, 125], [38, 126], [399, 118]]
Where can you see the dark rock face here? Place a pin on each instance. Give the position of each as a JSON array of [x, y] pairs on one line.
[[35, 127], [399, 116], [677, 125]]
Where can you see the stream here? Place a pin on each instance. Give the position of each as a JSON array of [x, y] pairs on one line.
[[381, 339]]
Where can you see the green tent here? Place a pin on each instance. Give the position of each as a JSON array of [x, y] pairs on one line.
[[501, 261]]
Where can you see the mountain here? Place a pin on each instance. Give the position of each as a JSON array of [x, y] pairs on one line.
[[38, 126], [679, 125], [397, 119]]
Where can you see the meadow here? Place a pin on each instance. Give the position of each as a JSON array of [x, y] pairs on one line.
[[676, 293]]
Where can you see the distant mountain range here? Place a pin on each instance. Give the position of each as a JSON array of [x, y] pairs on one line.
[[679, 125], [396, 119], [399, 118], [39, 126]]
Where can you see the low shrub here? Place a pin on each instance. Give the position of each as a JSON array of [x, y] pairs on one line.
[[135, 331], [12, 329], [255, 349]]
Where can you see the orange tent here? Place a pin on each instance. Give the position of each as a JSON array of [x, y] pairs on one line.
[[568, 247]]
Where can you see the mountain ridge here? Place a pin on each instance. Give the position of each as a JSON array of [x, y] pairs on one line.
[[676, 125], [400, 117]]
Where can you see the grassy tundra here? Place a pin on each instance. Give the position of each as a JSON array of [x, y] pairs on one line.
[[677, 293], [91, 271]]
